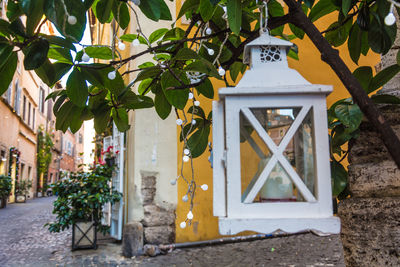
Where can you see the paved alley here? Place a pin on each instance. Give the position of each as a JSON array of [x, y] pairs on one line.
[[25, 242]]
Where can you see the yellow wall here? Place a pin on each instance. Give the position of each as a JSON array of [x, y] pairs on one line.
[[205, 225]]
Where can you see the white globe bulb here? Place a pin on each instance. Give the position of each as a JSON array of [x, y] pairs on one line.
[[208, 31], [121, 46], [210, 51], [197, 103], [185, 198], [85, 57], [182, 225], [221, 71], [186, 158], [186, 151], [191, 95], [72, 20], [190, 215], [136, 2], [204, 187], [390, 19], [179, 122], [111, 75], [194, 122], [173, 182], [136, 42]]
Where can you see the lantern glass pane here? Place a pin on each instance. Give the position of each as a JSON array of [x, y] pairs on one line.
[[254, 153], [276, 121]]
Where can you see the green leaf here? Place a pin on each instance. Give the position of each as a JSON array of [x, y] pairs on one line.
[[398, 58], [380, 36], [55, 12], [163, 107], [52, 73], [56, 40], [121, 14], [235, 69], [385, 99], [18, 27], [151, 72], [7, 72], [364, 76], [144, 86], [206, 10], [321, 8], [350, 115], [36, 54], [101, 119], [234, 10], [339, 178], [99, 52], [203, 66], [186, 54], [346, 4], [151, 8], [14, 11], [76, 120], [165, 13], [34, 13], [206, 88], [188, 6], [197, 111], [296, 31], [339, 35], [103, 10], [77, 89], [5, 52], [58, 104], [177, 98], [130, 37], [61, 54], [198, 141], [383, 77], [157, 35], [354, 43], [64, 115], [120, 117]]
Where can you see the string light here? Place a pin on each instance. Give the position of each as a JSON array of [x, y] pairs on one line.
[[204, 187], [190, 215], [85, 57], [210, 51], [208, 31], [191, 95], [390, 18], [121, 46], [111, 75], [185, 158], [186, 151], [173, 182], [197, 103], [72, 20], [136, 2], [136, 42], [221, 71], [194, 122], [185, 198], [179, 122], [182, 225]]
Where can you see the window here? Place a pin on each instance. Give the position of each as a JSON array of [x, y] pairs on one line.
[[24, 108], [41, 100], [33, 117], [29, 172], [49, 109], [17, 98], [80, 138], [21, 175], [69, 149], [9, 92], [29, 113]]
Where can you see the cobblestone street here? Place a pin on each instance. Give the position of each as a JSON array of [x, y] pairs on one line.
[[25, 242]]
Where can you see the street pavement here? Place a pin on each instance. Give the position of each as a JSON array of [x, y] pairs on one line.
[[25, 242]]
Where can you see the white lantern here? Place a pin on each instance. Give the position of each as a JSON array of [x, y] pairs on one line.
[[271, 151]]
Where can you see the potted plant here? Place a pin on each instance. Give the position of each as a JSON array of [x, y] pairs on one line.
[[5, 189], [109, 156], [39, 191], [21, 190], [79, 205]]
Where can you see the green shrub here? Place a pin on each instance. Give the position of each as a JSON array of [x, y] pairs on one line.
[[22, 187], [5, 186], [82, 197]]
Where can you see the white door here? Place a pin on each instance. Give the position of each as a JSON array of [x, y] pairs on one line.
[[118, 183]]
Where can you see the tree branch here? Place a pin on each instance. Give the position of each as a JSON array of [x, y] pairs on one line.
[[332, 58]]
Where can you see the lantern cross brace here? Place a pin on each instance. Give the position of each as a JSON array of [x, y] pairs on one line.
[[277, 156]]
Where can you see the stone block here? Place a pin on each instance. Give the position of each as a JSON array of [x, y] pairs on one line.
[[370, 231], [132, 239], [157, 216], [381, 179], [159, 235], [148, 179]]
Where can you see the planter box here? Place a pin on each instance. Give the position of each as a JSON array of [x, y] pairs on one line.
[[3, 203], [20, 199], [84, 235]]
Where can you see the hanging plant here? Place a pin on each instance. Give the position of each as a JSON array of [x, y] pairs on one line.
[[44, 156]]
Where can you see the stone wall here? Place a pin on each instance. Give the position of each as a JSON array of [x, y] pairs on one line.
[[370, 218]]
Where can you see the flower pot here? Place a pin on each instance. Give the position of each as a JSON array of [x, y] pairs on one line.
[[84, 235], [110, 161], [20, 199]]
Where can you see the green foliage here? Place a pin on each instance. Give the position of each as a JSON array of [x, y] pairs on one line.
[[5, 186], [22, 187], [82, 197], [44, 151]]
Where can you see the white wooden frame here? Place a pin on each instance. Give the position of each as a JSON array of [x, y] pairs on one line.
[[321, 205]]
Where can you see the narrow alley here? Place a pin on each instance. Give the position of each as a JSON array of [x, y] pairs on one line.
[[24, 241]]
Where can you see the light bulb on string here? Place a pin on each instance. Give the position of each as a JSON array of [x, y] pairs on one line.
[[194, 122], [121, 45], [210, 51], [390, 19], [185, 198], [136, 42], [221, 71], [85, 57], [111, 75], [186, 151], [72, 20], [179, 122], [204, 187], [208, 31], [182, 225], [173, 182], [185, 158], [191, 95], [197, 103], [190, 215], [136, 2]]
